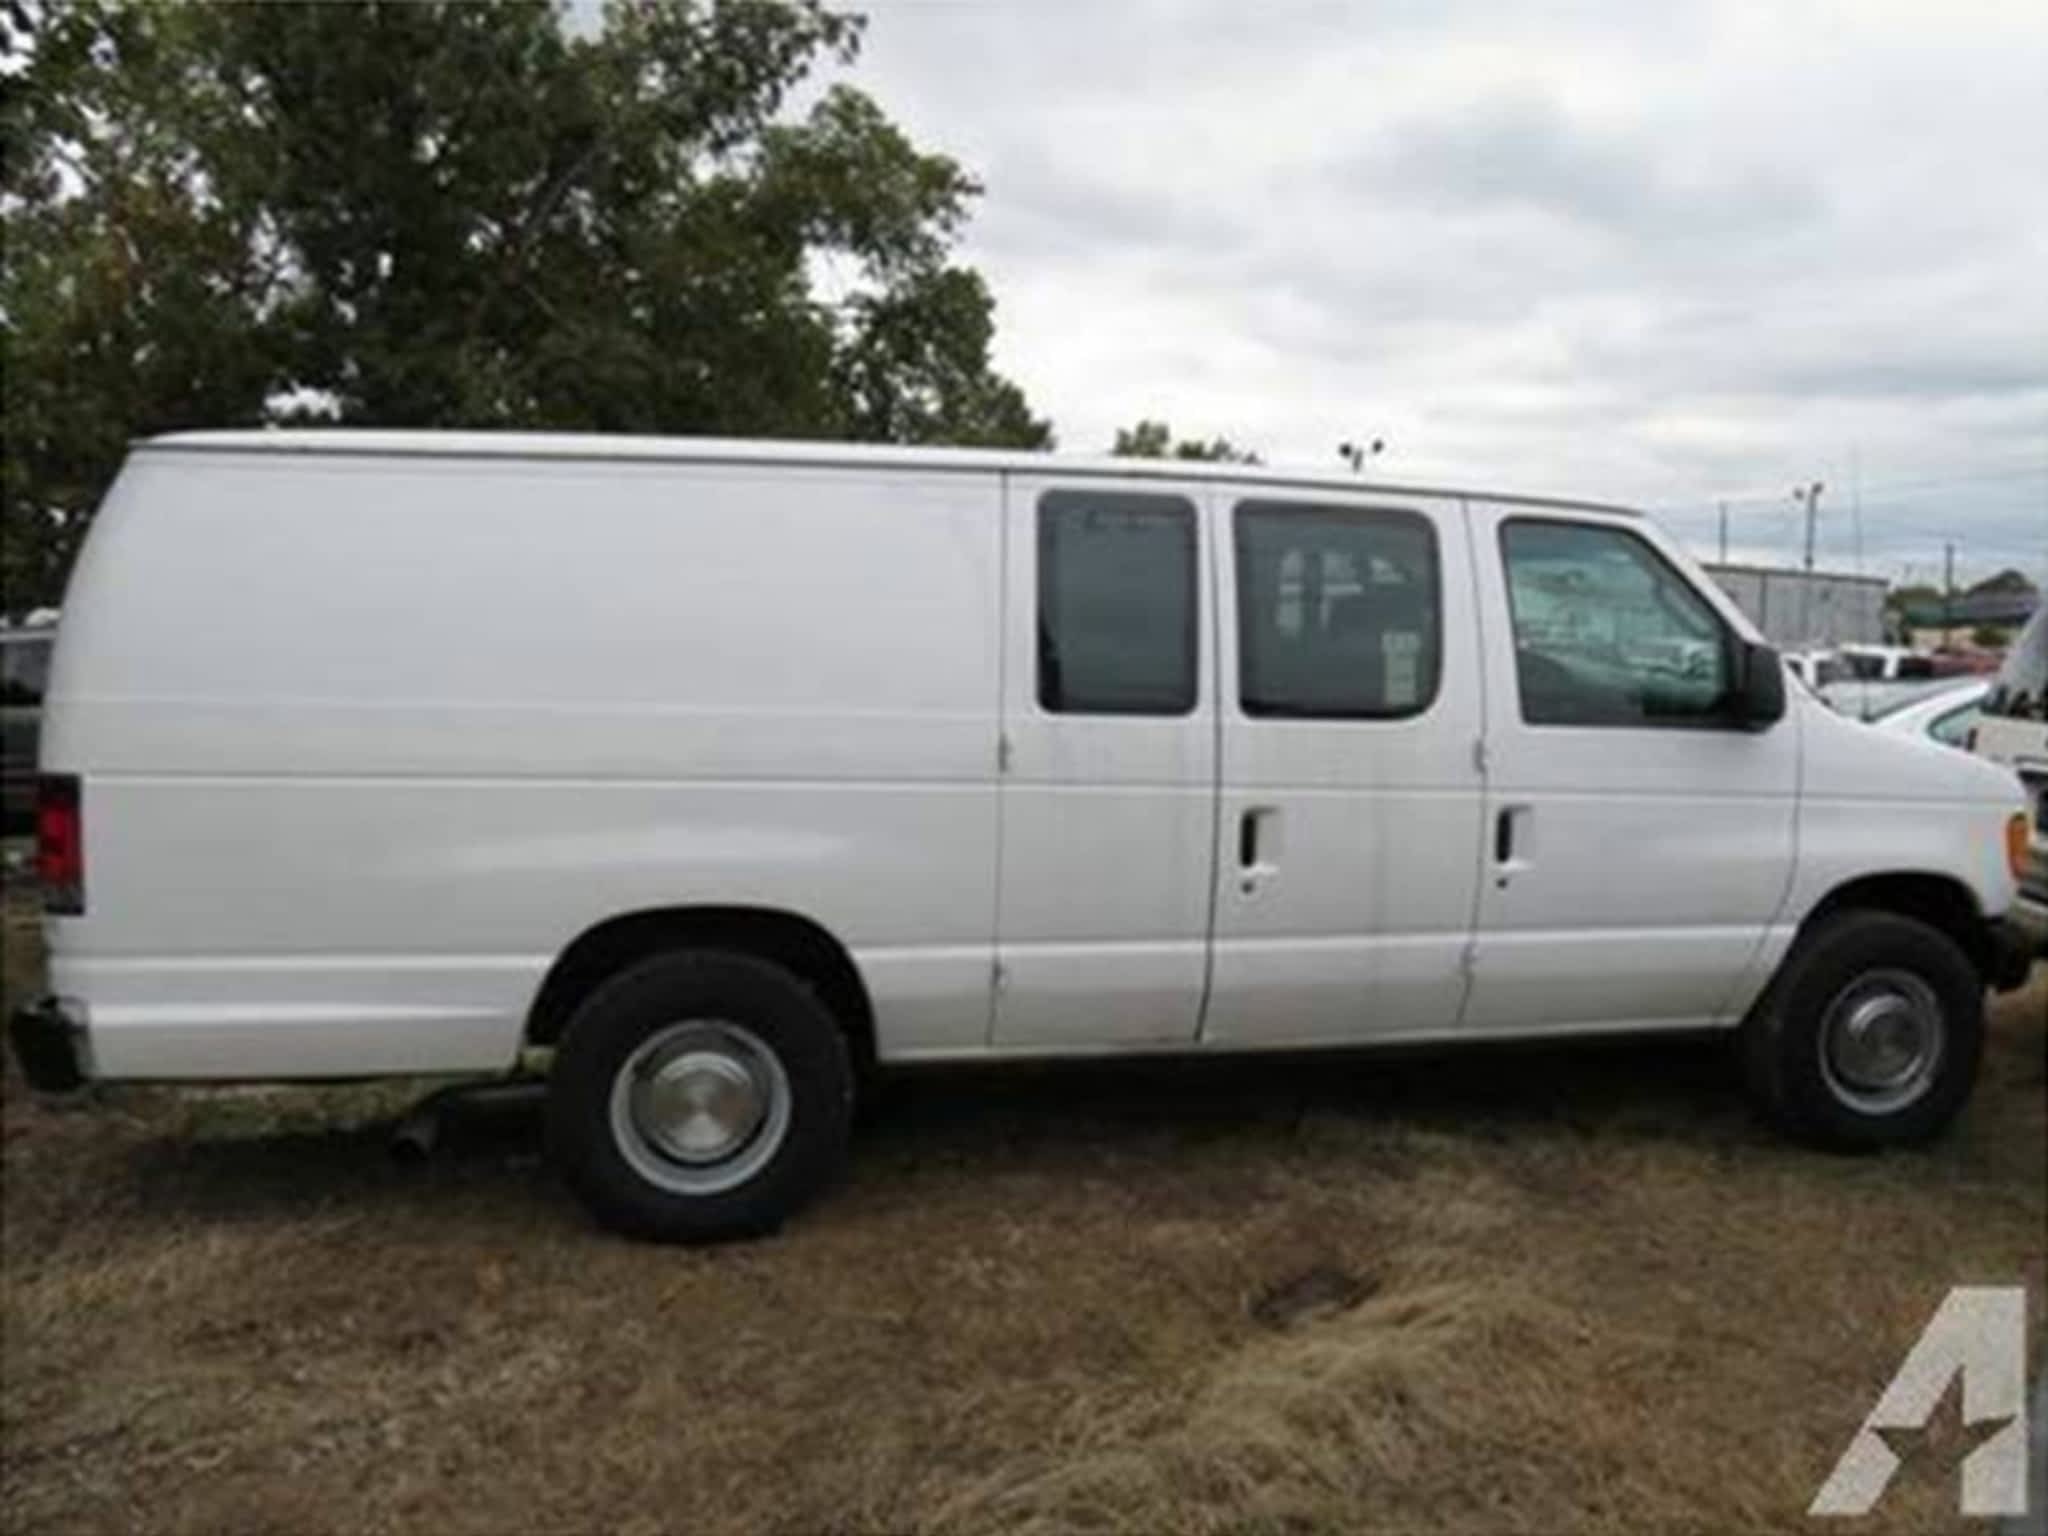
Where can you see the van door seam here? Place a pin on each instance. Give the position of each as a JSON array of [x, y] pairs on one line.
[[1000, 783], [1214, 629], [1482, 657], [1747, 984]]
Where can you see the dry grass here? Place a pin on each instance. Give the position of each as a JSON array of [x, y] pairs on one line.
[[1512, 1292]]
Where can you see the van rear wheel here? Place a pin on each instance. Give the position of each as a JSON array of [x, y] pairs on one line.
[[700, 1094], [1871, 1034]]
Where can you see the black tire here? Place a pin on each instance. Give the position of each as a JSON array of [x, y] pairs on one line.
[[1783, 1046], [779, 1013]]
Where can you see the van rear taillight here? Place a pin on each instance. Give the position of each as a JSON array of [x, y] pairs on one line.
[[60, 844]]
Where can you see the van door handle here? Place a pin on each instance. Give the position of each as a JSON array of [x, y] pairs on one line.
[[1257, 842], [1511, 827]]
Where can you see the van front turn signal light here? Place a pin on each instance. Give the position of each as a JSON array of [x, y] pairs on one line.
[[2016, 840]]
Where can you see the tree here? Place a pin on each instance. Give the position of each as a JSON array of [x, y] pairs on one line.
[[1912, 596], [1154, 440], [2007, 580], [449, 215]]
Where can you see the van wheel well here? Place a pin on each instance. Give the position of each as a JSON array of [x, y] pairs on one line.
[[795, 943], [1936, 900]]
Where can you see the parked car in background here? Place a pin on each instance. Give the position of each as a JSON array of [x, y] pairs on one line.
[[1947, 714], [1873, 700], [831, 757], [1967, 661], [1816, 669], [2013, 730], [24, 672], [1884, 663]]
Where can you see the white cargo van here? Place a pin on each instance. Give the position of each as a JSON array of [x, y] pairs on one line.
[[727, 769]]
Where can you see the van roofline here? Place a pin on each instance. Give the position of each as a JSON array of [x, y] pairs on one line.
[[620, 448]]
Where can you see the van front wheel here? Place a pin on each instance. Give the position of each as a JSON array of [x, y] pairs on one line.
[[698, 1095], [1871, 1034]]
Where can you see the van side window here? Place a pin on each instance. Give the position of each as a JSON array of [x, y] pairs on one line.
[[1116, 603], [1953, 728], [24, 669], [1338, 611], [1607, 633]]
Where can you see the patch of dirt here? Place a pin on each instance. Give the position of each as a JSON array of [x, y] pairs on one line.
[[1310, 1295]]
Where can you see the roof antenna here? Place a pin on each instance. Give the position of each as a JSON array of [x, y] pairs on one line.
[[1355, 454]]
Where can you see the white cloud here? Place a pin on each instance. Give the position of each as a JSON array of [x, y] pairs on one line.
[[1650, 253]]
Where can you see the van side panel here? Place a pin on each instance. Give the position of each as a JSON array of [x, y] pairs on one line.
[[1875, 804], [368, 741]]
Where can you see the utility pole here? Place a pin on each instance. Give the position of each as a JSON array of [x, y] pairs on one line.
[[1948, 591], [1724, 533], [1856, 502], [1808, 496]]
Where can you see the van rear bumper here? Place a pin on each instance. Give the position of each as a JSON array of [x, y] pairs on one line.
[[49, 1042]]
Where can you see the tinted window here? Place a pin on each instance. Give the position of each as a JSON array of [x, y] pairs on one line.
[[1606, 633], [1953, 729], [2021, 691], [1338, 615], [24, 670], [1116, 604]]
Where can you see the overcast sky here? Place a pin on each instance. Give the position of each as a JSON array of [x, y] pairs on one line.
[[1660, 253]]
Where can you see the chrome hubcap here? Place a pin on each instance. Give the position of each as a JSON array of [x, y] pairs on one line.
[[697, 1106], [700, 1106], [1881, 1042]]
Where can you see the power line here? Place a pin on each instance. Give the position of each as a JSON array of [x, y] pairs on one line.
[[2040, 472], [1901, 488]]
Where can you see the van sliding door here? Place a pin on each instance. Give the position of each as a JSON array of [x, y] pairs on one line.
[[1351, 793]]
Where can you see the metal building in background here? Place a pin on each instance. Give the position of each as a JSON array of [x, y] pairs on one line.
[[1801, 610]]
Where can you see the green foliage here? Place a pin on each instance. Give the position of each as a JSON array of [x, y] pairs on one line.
[[451, 215], [2007, 580], [1154, 440]]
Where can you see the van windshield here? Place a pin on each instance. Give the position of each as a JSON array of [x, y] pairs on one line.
[[2021, 691]]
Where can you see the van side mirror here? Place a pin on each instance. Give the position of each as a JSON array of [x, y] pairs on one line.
[[1759, 693]]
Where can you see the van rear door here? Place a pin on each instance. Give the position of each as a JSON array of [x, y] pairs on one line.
[[1109, 740]]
